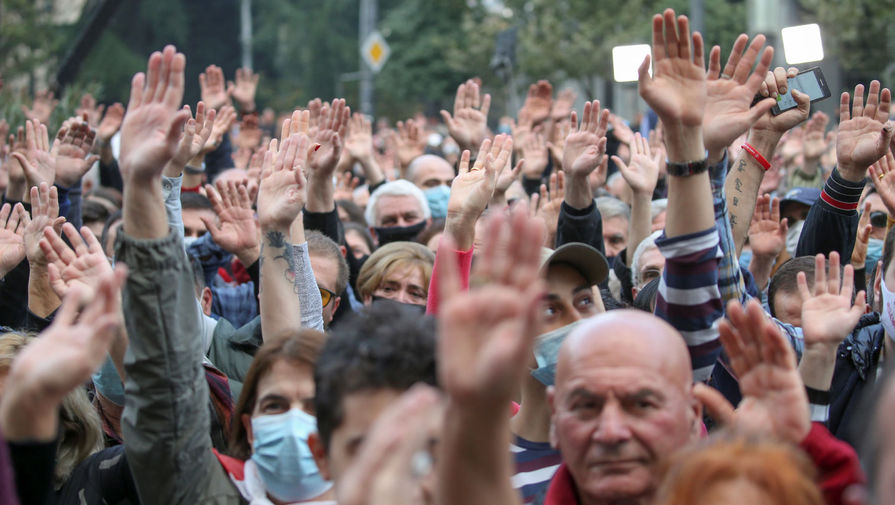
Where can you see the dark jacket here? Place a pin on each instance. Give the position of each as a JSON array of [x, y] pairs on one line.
[[855, 374]]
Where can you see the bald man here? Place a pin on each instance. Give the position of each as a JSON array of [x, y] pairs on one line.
[[432, 174], [623, 401]]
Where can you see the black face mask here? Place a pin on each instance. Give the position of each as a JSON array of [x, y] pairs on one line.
[[410, 308], [399, 233]]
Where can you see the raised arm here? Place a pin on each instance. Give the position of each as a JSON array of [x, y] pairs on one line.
[[862, 139], [12, 243], [330, 132], [469, 123], [42, 301], [280, 200], [480, 374], [166, 419], [642, 175]]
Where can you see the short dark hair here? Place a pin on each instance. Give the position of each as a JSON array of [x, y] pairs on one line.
[[194, 201], [383, 347], [94, 212], [364, 232], [786, 278], [321, 245]]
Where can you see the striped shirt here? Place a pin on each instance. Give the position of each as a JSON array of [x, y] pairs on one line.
[[689, 298], [536, 462]]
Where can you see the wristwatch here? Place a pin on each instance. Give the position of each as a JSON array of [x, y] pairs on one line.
[[687, 168]]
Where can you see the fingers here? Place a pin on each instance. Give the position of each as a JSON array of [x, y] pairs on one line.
[[857, 107], [820, 274], [715, 63], [715, 404], [872, 100], [744, 66], [736, 54], [843, 107]]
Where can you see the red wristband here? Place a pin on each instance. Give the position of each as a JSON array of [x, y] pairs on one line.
[[757, 155]]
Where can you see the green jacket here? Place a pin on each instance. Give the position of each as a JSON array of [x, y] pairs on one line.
[[166, 420]]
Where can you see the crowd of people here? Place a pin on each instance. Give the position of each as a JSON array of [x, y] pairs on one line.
[[220, 305]]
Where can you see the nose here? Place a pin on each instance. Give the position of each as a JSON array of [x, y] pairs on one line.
[[613, 428], [404, 297]]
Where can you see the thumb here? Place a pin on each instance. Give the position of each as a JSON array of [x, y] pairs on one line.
[[230, 88], [888, 130], [714, 403], [211, 225], [762, 108], [620, 164], [448, 120]]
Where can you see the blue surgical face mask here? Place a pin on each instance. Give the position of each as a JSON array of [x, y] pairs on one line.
[[284, 461], [546, 352], [874, 252], [792, 237], [188, 241], [438, 200]]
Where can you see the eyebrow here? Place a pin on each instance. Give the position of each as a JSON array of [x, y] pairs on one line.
[[580, 289], [272, 396]]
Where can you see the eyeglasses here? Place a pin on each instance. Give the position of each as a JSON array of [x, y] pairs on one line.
[[326, 296]]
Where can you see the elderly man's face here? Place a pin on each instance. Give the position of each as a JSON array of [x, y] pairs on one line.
[[393, 211], [622, 404], [615, 235]]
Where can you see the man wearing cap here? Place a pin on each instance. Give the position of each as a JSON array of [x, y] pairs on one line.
[[795, 206]]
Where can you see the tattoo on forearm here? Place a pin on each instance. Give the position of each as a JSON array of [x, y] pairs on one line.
[[739, 184], [277, 240], [736, 201], [733, 220], [741, 166]]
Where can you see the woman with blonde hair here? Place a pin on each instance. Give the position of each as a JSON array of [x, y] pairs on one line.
[[399, 271]]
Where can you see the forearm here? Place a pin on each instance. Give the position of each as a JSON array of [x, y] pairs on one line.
[[817, 366], [280, 305], [832, 222], [144, 213], [42, 300], [760, 267], [640, 225], [372, 172], [171, 193], [690, 207], [166, 417], [462, 229], [474, 452], [741, 186], [577, 193], [310, 303], [320, 194], [16, 190]]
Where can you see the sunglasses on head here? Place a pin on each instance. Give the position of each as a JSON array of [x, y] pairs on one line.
[[879, 219]]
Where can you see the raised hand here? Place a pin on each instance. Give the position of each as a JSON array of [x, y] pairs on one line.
[[42, 108], [38, 163], [767, 233], [815, 145], [562, 106], [774, 400], [546, 205], [864, 133], [642, 174], [249, 132], [282, 191], [154, 121], [862, 239], [883, 174], [729, 111], [828, 315], [44, 213], [345, 186], [538, 103], [677, 91], [486, 334], [534, 151], [195, 135], [329, 136], [359, 141], [469, 124], [409, 142], [586, 144], [12, 242], [223, 121], [70, 152], [211, 84], [61, 359], [110, 123], [236, 231], [90, 110], [79, 266], [243, 91]]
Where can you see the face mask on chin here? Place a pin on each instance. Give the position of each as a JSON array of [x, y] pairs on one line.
[[399, 233], [546, 352], [792, 237], [283, 458]]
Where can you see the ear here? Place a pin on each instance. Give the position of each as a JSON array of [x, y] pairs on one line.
[[696, 426], [247, 425], [634, 291], [319, 453], [374, 235], [336, 302], [344, 251], [205, 300]]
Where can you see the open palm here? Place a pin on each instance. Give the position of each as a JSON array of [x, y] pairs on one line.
[[79, 267], [473, 188], [237, 230], [828, 314]]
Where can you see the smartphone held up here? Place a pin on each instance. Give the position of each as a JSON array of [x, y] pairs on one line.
[[810, 81]]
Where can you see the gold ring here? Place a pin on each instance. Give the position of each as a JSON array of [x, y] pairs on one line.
[[882, 176]]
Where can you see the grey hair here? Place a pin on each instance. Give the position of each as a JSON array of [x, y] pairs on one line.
[[647, 244], [420, 160], [611, 206], [401, 187]]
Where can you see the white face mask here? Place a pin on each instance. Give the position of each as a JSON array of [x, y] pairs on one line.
[[887, 313]]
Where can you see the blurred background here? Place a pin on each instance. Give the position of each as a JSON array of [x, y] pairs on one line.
[[312, 48]]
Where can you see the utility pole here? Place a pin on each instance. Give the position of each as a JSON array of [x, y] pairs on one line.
[[697, 16], [366, 26], [245, 34]]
